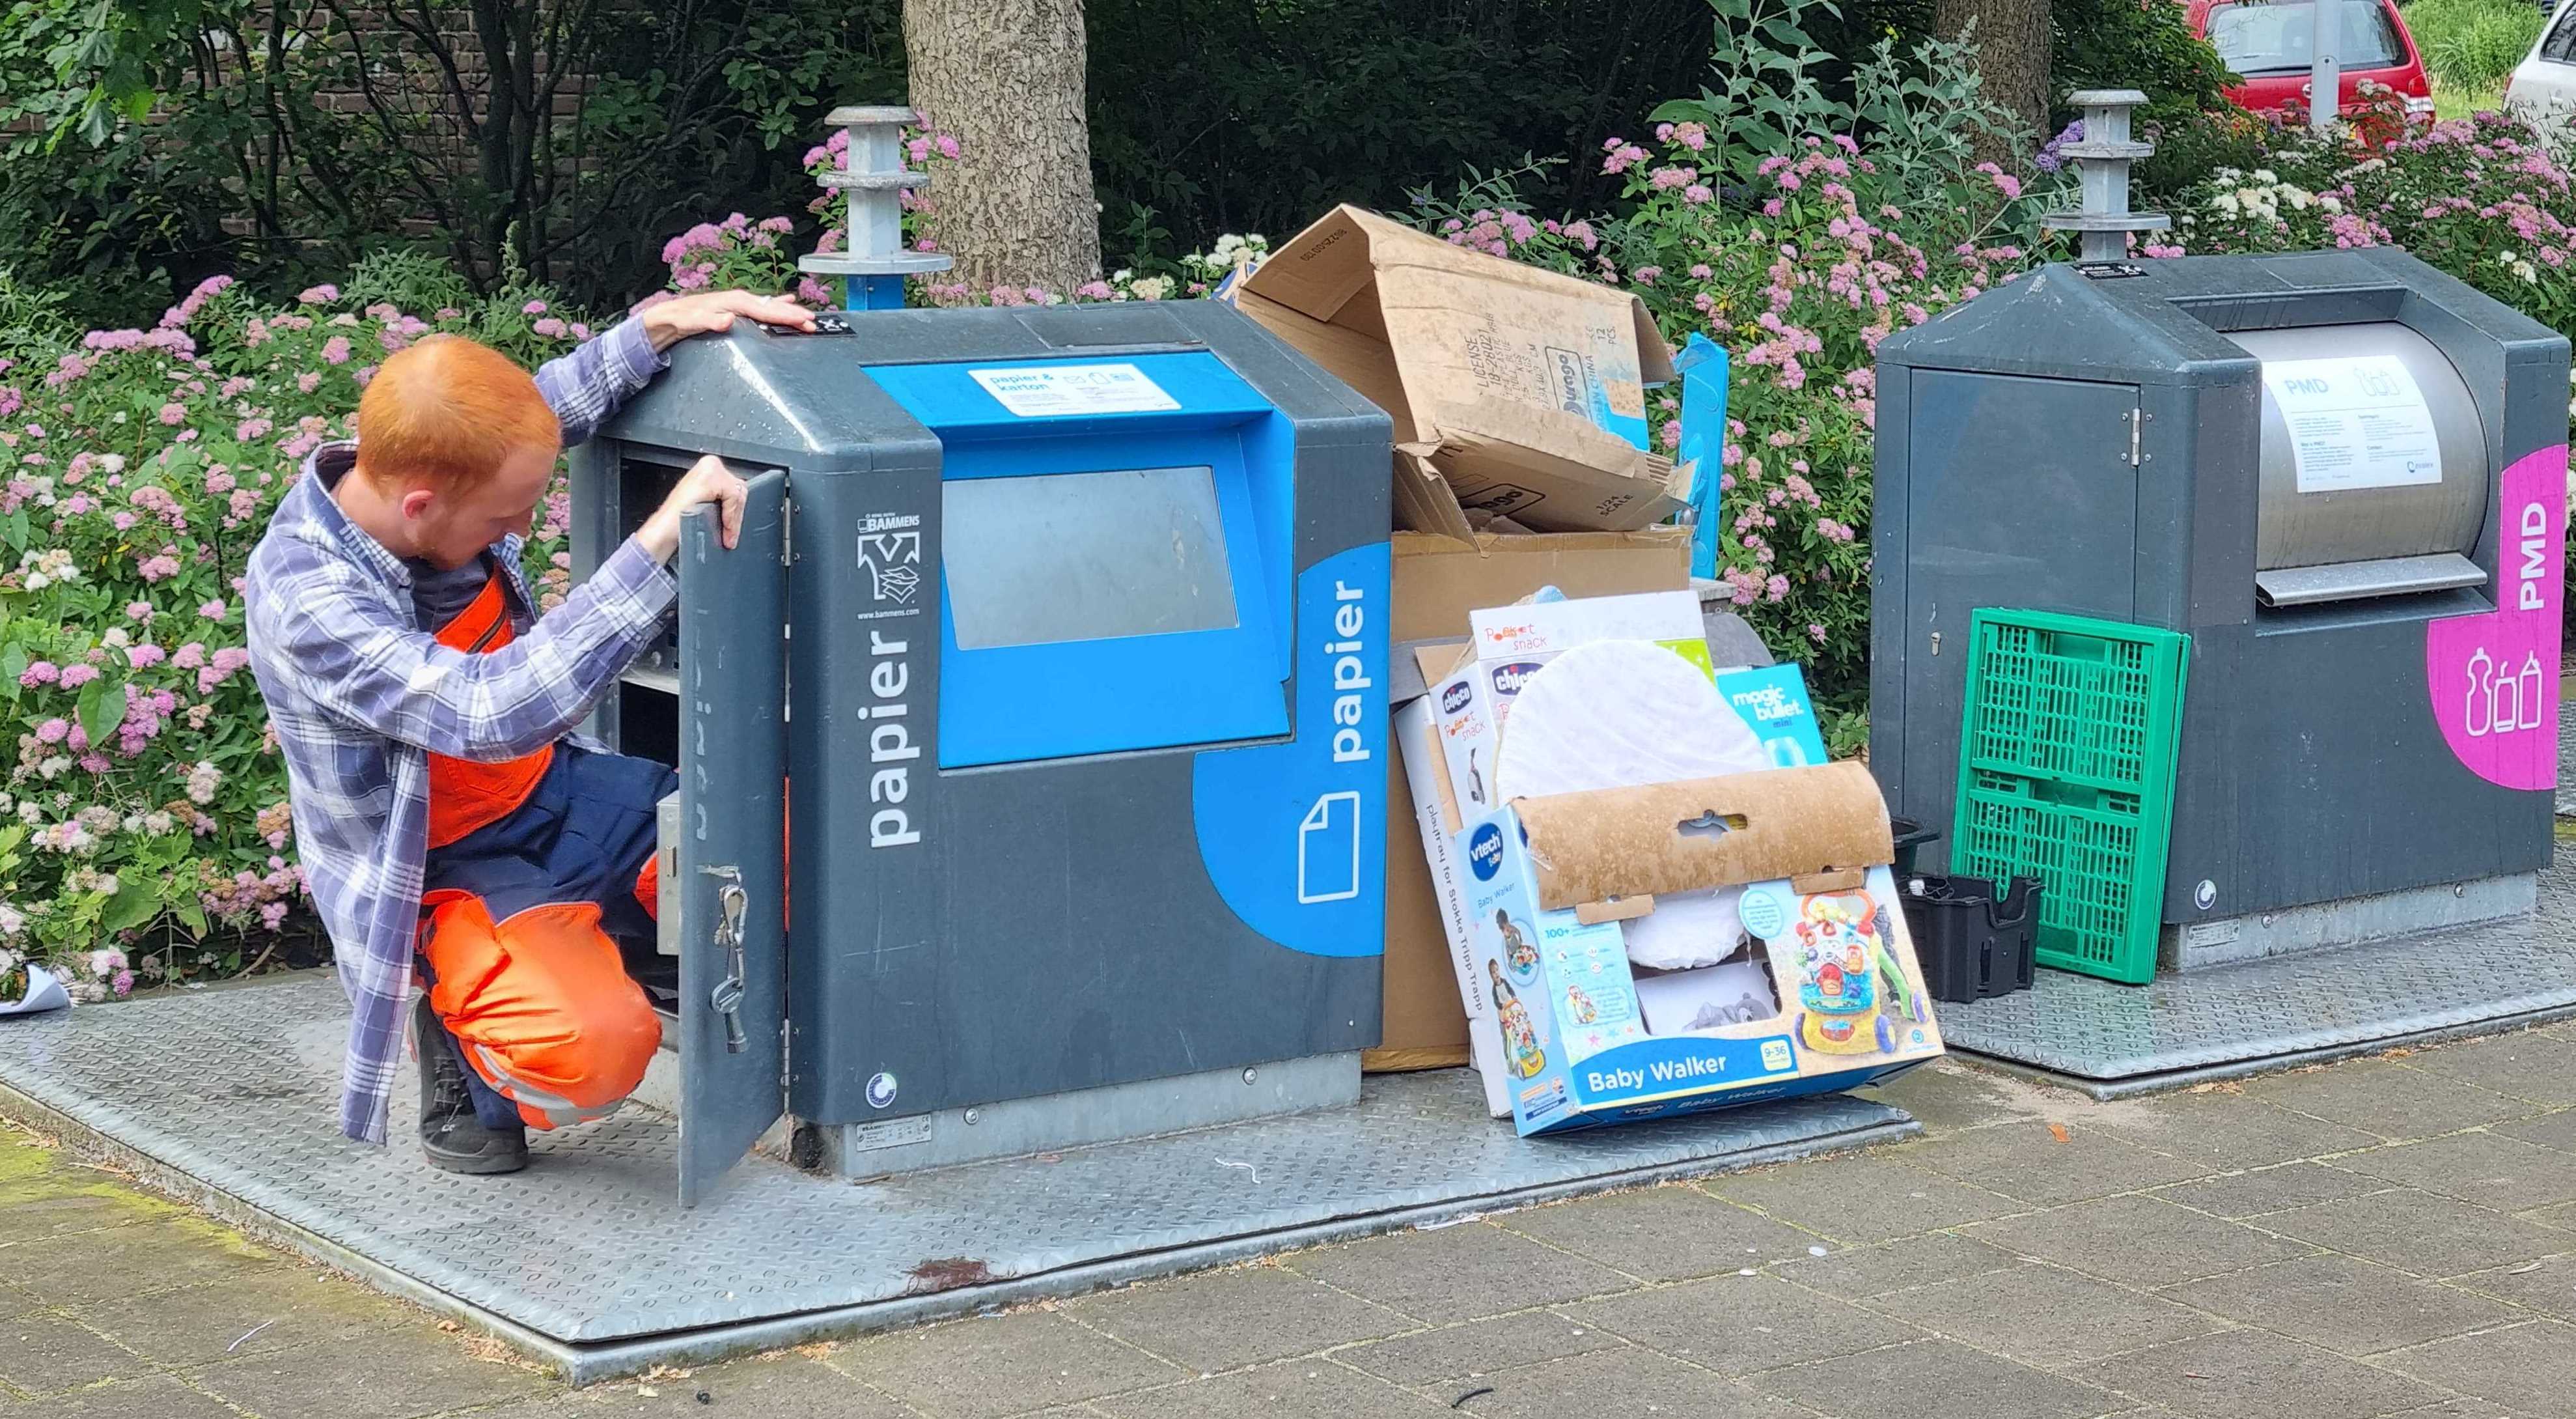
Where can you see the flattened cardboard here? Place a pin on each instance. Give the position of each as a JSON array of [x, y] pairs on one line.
[[1439, 581], [1514, 391], [1627, 842], [1422, 1025]]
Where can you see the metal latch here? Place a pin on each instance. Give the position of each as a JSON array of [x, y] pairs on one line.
[[726, 997]]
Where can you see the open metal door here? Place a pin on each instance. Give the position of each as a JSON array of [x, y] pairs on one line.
[[733, 835]]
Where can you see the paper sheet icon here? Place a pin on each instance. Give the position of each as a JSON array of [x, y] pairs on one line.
[[1328, 850]]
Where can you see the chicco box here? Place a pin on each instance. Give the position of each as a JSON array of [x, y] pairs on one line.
[[1825, 995]]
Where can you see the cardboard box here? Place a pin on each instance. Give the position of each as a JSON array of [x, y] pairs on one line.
[[1439, 582], [1447, 701], [1515, 392], [1773, 700], [1551, 880]]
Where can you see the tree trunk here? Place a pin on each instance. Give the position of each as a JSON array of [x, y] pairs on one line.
[[2012, 55], [1006, 77]]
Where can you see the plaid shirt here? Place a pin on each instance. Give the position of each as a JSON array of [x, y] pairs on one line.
[[359, 695]]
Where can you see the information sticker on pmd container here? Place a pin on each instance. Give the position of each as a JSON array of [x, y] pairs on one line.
[[2359, 422]]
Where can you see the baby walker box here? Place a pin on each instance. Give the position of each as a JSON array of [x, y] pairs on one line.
[[1821, 991]]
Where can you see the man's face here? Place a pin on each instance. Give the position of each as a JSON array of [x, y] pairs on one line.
[[451, 529]]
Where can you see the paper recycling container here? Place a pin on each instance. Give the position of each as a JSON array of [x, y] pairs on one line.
[[1059, 636]]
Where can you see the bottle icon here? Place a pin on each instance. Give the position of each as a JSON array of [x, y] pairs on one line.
[[2531, 688], [1518, 1032], [2506, 711], [2479, 710]]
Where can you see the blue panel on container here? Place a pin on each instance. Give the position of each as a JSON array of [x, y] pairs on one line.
[[1129, 588]]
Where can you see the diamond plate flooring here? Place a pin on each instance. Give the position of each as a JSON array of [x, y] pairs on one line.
[[2112, 1039], [226, 1096], [2229, 1019]]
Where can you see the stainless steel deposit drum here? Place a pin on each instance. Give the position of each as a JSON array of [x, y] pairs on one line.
[[2316, 540]]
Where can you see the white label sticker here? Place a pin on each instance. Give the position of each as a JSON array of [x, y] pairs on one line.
[[888, 1133], [1048, 391], [2355, 423]]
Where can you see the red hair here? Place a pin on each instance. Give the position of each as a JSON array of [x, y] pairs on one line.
[[448, 412]]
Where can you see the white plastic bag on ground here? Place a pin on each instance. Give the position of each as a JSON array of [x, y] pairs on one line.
[[43, 993]]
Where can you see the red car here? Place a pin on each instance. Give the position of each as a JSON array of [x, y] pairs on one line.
[[2270, 46]]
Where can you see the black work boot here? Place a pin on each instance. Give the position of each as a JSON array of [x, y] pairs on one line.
[[450, 1134]]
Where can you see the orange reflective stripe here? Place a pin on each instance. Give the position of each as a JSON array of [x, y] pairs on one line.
[[465, 796]]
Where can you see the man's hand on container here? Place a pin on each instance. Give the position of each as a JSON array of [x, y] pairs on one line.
[[712, 312], [707, 481]]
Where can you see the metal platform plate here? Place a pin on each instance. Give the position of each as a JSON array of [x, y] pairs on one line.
[[2268, 1014], [226, 1096]]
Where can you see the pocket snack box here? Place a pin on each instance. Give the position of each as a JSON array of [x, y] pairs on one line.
[[1549, 880]]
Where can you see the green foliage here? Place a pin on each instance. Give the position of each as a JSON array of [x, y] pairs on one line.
[[1769, 90], [32, 318], [2191, 146], [2135, 44], [1256, 117], [2482, 199], [285, 143], [2472, 46]]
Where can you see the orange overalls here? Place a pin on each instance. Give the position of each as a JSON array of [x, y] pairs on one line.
[[538, 866]]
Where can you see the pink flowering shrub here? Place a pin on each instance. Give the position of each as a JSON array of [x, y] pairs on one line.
[[1799, 256], [143, 813], [2484, 199]]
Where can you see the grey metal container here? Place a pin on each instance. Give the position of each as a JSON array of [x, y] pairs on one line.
[[999, 956], [2101, 441]]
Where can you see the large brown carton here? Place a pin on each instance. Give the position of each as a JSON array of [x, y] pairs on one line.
[[1438, 582], [1515, 392]]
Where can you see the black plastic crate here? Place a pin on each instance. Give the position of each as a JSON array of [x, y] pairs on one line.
[[1973, 942]]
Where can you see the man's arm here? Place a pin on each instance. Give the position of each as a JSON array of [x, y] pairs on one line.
[[368, 665], [589, 385], [365, 662]]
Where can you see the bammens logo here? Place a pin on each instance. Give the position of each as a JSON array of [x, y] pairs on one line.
[[890, 551]]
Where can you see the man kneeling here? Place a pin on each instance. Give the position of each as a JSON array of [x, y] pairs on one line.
[[454, 831]]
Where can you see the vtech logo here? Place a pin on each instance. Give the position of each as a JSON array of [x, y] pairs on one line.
[[1508, 679], [1485, 852], [1457, 698]]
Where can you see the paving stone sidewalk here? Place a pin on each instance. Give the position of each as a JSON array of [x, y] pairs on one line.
[[2389, 1236]]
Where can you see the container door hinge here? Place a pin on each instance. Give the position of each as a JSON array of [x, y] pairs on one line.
[[2137, 424]]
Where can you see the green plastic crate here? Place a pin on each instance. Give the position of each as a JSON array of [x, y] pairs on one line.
[[2066, 772]]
